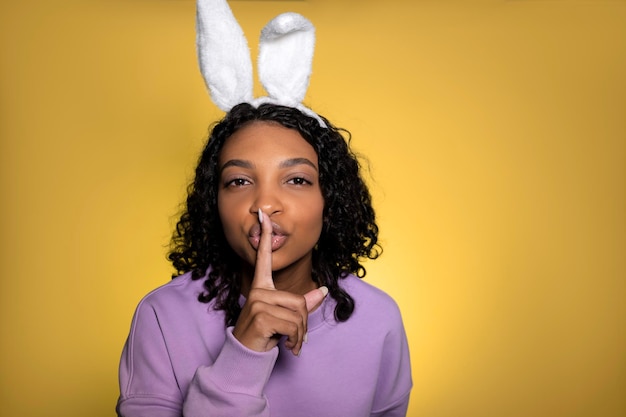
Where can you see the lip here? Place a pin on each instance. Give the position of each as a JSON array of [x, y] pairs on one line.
[[278, 236]]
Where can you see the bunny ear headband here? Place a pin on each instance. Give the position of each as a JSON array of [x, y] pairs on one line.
[[284, 62]]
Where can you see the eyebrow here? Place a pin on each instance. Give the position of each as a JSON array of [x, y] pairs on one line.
[[297, 161], [237, 163], [287, 163]]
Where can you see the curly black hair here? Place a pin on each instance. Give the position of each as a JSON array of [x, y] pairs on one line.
[[349, 231]]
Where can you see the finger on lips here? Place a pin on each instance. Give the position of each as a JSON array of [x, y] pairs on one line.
[[263, 267]]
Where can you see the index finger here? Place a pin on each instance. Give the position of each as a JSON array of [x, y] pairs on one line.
[[263, 267]]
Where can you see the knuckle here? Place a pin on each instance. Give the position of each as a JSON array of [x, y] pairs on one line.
[[259, 320], [255, 306], [293, 328], [299, 319]]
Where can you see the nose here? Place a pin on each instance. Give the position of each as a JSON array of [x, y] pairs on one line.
[[267, 199]]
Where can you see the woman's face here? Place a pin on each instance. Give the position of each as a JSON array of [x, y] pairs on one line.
[[268, 166]]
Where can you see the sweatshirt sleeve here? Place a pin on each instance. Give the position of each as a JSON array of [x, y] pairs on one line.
[[233, 385], [148, 386], [394, 381]]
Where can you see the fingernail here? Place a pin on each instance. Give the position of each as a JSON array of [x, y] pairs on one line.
[[260, 216], [305, 339], [324, 290]]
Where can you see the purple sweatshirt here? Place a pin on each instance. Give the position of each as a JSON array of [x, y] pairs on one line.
[[180, 359]]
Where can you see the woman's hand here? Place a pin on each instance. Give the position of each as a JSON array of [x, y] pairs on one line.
[[268, 313]]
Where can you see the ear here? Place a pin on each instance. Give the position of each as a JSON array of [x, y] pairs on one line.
[[285, 58], [223, 54]]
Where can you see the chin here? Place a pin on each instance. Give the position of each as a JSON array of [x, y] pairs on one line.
[[279, 264]]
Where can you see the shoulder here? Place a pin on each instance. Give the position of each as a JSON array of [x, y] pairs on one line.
[[368, 299], [177, 294], [362, 290], [174, 312]]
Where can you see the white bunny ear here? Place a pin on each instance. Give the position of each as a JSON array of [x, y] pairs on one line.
[[285, 58], [223, 54]]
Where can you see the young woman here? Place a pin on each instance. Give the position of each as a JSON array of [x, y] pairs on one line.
[[268, 316]]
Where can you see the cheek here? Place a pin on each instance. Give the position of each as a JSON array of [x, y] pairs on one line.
[[316, 217], [229, 225]]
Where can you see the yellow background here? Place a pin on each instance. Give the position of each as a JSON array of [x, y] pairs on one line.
[[496, 136]]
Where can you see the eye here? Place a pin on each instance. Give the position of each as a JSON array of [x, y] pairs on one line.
[[299, 181], [236, 182]]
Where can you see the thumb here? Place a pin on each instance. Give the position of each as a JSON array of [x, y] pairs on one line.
[[314, 298]]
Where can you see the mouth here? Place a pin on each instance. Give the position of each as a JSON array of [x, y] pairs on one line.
[[278, 236]]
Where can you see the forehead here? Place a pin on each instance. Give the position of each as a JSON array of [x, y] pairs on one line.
[[265, 140]]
